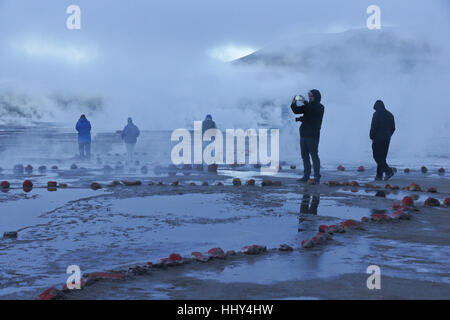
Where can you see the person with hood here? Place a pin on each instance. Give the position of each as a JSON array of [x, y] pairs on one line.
[[311, 120], [129, 136], [208, 123], [381, 131], [83, 127]]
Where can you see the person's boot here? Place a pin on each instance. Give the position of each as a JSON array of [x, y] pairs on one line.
[[303, 179], [388, 175]]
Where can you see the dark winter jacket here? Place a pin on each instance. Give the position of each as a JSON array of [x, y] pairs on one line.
[[312, 116], [130, 133], [383, 123], [84, 130], [208, 124]]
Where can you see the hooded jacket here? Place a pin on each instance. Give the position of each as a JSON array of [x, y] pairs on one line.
[[312, 116], [130, 133], [84, 130], [207, 124], [383, 123]]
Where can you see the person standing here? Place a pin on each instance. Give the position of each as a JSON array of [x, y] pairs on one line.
[[83, 127], [208, 123], [381, 131], [129, 136], [311, 120]]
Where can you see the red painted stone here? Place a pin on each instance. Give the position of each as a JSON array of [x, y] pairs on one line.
[[105, 276], [27, 184], [254, 249], [432, 202], [380, 217], [355, 184], [216, 253], [250, 182], [432, 190], [361, 169], [175, 257], [200, 257], [341, 168], [447, 202], [349, 223], [51, 294], [5, 185], [408, 201]]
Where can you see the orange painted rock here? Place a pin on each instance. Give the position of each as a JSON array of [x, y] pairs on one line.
[[254, 249], [52, 184], [192, 184], [331, 229], [27, 184], [432, 190], [354, 184], [276, 183], [320, 238], [406, 170], [51, 294], [368, 185], [347, 224], [397, 205], [333, 183], [441, 170], [414, 187], [311, 181], [216, 253], [407, 201], [175, 183], [237, 182], [361, 169], [424, 169], [266, 183], [5, 185], [365, 219], [95, 186], [388, 186], [346, 184], [341, 168], [200, 257], [447, 202], [432, 202], [175, 257], [63, 185], [380, 217], [250, 182]]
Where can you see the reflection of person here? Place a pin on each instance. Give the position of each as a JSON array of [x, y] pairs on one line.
[[84, 137], [129, 136], [305, 206], [381, 131], [311, 120]]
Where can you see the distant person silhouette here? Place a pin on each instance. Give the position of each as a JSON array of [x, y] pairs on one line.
[[83, 127], [129, 135], [381, 131], [311, 120], [208, 123]]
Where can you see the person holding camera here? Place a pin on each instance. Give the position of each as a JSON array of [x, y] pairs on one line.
[[311, 120]]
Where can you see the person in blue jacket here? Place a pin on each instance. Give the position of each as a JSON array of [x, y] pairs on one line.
[[129, 136], [84, 137]]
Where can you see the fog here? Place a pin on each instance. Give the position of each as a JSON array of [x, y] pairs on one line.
[[162, 63]]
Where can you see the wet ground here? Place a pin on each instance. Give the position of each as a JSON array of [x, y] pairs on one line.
[[118, 226]]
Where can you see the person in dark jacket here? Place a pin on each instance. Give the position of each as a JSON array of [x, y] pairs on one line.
[[311, 120], [381, 131], [129, 136], [208, 123], [83, 127]]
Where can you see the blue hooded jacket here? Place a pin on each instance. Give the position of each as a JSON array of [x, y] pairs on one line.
[[130, 132], [84, 130]]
